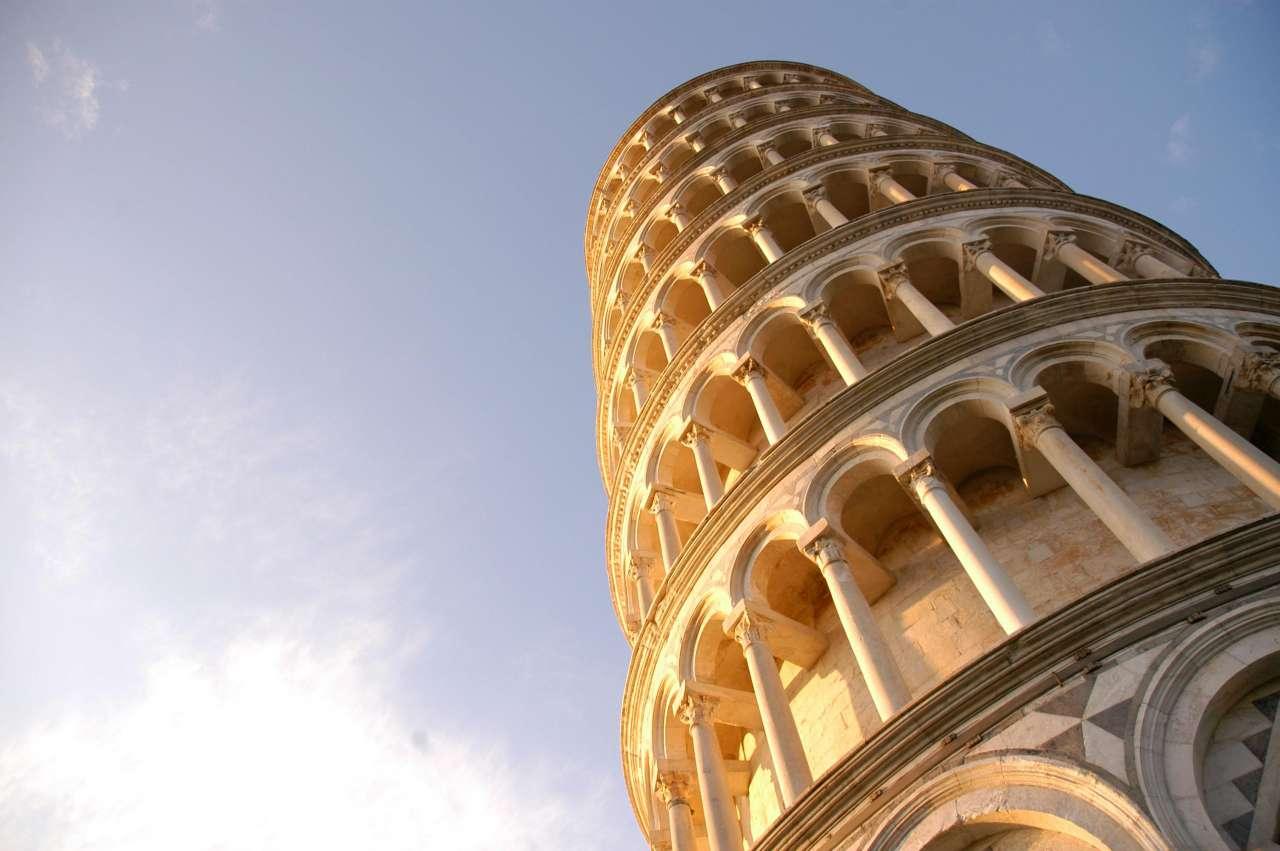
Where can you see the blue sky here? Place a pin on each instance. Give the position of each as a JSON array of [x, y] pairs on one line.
[[300, 528]]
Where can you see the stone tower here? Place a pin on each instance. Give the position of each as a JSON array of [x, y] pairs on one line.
[[941, 498]]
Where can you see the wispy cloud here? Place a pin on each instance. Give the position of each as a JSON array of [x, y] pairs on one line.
[[276, 743], [1177, 148], [208, 14], [1051, 41], [72, 97], [1205, 55]]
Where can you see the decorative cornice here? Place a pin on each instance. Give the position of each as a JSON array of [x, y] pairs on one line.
[[744, 297], [805, 437]]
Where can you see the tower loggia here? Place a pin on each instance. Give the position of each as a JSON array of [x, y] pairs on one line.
[[942, 499]]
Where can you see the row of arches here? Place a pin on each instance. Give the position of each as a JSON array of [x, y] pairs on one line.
[[861, 312], [906, 554], [773, 140]]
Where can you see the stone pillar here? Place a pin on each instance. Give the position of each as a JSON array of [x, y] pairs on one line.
[[754, 83], [712, 284], [695, 437], [668, 534], [833, 341], [723, 833], [751, 376], [724, 180], [876, 130], [1153, 387], [677, 115], [997, 589], [823, 138], [673, 789], [1037, 428], [640, 572], [660, 171], [780, 729], [737, 120], [978, 255], [696, 141], [884, 681], [1260, 372], [816, 198], [769, 155], [666, 331], [951, 178], [713, 95], [882, 181], [644, 254], [679, 216], [896, 283], [1061, 245], [763, 239], [1141, 258], [639, 389]]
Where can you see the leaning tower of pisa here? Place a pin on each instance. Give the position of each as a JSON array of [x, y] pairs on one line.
[[942, 499]]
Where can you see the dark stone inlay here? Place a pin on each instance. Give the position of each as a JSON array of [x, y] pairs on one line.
[[1238, 828], [1070, 742], [1069, 703], [1113, 719], [1248, 785], [1267, 705], [1257, 743]]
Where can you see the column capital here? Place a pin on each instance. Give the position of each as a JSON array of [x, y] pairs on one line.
[[941, 170], [973, 249], [649, 138], [1148, 381], [816, 314], [1258, 371], [695, 139], [765, 147], [918, 476], [784, 105], [792, 78], [639, 567], [1054, 240], [711, 93], [738, 118], [1130, 251], [823, 550], [660, 320], [876, 125], [697, 709], [630, 207], [702, 269], [659, 500], [747, 369], [749, 629], [676, 209], [660, 171], [825, 99], [673, 787], [815, 193], [753, 225], [1031, 420], [693, 433], [876, 173], [893, 276]]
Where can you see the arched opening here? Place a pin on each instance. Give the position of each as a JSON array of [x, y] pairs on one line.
[[856, 303], [649, 355], [787, 219], [725, 406], [701, 192], [660, 233], [794, 142], [715, 129], [787, 351], [686, 302], [735, 256], [742, 164], [937, 277], [847, 190]]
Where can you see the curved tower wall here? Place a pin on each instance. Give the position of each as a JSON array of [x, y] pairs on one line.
[[887, 417]]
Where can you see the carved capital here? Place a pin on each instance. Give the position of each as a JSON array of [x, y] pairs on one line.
[[659, 501], [877, 127], [673, 787], [675, 211], [1008, 180], [697, 709], [920, 477], [1130, 251], [650, 138], [630, 207], [748, 630], [660, 320], [765, 147], [941, 170], [972, 250], [892, 277], [696, 140], [747, 370], [824, 550], [753, 226], [738, 119], [1147, 384], [693, 433], [826, 99], [660, 171], [792, 78], [816, 314], [1030, 422], [1259, 371], [702, 270], [1054, 241], [879, 173], [814, 194]]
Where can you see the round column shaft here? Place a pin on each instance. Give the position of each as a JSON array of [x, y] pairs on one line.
[[1084, 264], [723, 833], [834, 343], [979, 254], [695, 437], [775, 712], [751, 376]]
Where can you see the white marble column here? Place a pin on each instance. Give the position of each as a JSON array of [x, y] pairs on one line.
[[723, 833], [1142, 260], [896, 283], [978, 255], [882, 181], [699, 442], [679, 216], [884, 681], [876, 130], [668, 535], [713, 95], [665, 328], [780, 732], [1061, 246], [1037, 428], [1153, 387], [712, 284], [639, 389], [816, 198], [946, 172], [995, 586], [644, 254], [751, 376], [724, 180], [824, 138], [769, 154], [696, 142], [673, 790], [833, 341], [640, 571], [763, 239], [1260, 372]]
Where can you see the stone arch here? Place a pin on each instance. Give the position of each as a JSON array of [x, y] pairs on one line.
[[787, 525]]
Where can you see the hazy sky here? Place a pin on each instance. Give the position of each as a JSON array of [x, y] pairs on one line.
[[300, 525]]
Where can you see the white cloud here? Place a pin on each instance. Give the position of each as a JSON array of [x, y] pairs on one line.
[[1051, 42], [72, 103], [208, 14], [274, 743], [1177, 148], [1204, 58], [39, 65]]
